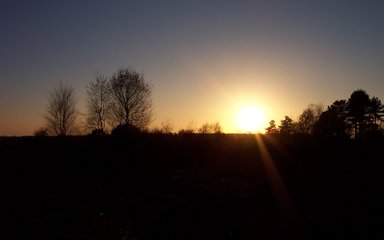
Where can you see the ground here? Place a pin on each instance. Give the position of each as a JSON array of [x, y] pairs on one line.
[[191, 187]]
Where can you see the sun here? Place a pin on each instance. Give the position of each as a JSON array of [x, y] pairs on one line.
[[251, 120]]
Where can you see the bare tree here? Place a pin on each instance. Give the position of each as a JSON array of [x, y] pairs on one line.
[[216, 128], [99, 104], [189, 129], [132, 104], [205, 128], [61, 112], [208, 128], [309, 117], [166, 126]]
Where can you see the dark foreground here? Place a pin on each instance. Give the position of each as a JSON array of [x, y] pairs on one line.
[[191, 187]]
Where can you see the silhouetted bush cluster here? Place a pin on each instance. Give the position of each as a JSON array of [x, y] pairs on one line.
[[125, 130]]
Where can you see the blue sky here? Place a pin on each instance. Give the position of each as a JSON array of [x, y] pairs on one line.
[[205, 59]]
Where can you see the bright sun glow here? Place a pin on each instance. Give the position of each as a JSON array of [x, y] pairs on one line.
[[251, 120]]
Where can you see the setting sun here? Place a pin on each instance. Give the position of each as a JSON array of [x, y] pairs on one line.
[[251, 119]]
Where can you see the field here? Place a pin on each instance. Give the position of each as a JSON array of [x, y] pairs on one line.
[[191, 187]]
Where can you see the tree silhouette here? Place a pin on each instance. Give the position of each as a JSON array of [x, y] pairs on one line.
[[333, 122], [360, 116], [61, 112], [377, 110], [376, 114], [308, 118], [207, 128], [358, 108], [123, 130], [189, 129], [132, 105], [287, 126], [166, 126], [99, 105], [41, 132], [272, 129]]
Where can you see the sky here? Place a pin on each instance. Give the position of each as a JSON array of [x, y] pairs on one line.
[[205, 59]]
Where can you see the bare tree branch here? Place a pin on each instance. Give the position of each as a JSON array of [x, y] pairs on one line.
[[99, 104], [61, 112], [132, 104]]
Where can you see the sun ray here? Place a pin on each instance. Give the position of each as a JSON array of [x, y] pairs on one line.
[[290, 215]]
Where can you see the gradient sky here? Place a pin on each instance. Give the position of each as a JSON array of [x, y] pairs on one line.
[[205, 59]]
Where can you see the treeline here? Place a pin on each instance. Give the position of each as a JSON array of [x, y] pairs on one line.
[[122, 104], [118, 105], [358, 117]]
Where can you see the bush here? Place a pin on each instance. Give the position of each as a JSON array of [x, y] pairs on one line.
[[41, 132], [98, 132], [125, 130]]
